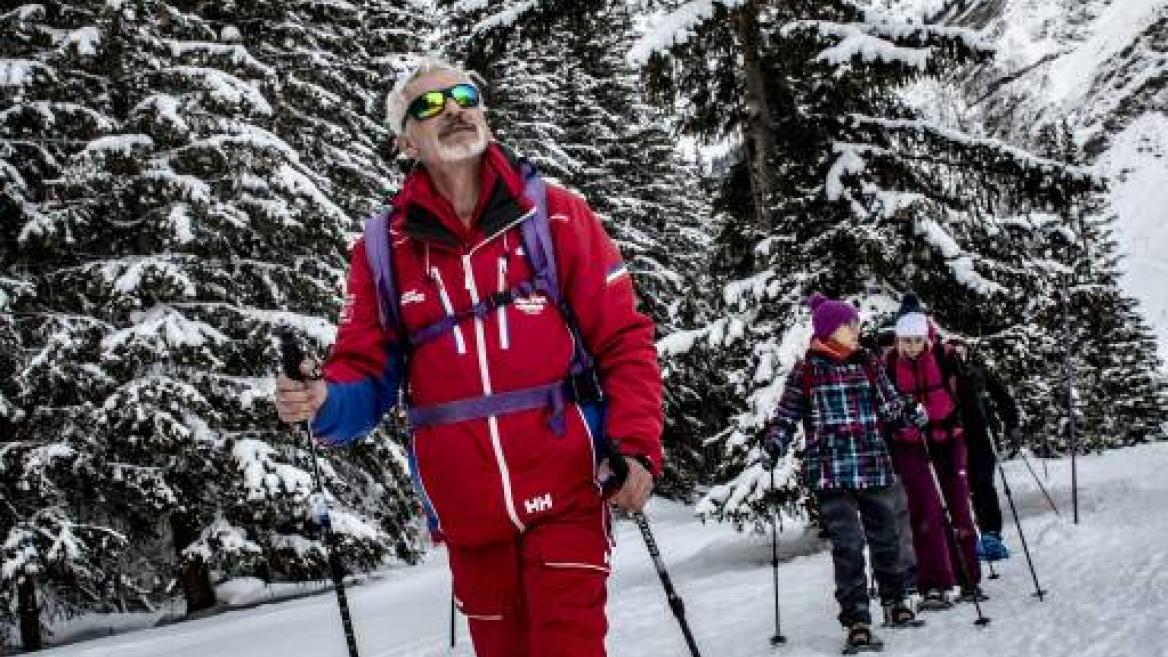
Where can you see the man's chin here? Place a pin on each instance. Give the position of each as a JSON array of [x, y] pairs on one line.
[[463, 150]]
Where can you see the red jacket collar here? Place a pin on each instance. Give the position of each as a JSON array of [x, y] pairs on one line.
[[501, 200]]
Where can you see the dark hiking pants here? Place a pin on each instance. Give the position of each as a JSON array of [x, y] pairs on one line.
[[982, 466], [908, 555], [853, 519]]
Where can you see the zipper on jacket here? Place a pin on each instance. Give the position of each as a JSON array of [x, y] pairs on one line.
[[501, 231], [485, 374], [459, 340], [504, 334]]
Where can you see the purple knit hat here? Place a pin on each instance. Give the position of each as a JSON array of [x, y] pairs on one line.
[[827, 315]]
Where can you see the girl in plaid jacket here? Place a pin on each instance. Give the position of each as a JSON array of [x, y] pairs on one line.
[[844, 400]]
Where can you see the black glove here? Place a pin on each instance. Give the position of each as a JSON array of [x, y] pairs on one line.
[[1014, 438], [915, 415], [774, 443]]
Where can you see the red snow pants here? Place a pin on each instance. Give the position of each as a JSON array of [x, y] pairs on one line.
[[937, 559], [542, 594]]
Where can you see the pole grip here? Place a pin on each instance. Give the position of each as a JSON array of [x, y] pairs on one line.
[[620, 472], [291, 355]]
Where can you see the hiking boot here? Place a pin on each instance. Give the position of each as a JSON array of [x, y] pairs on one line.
[[991, 548], [900, 614], [971, 593], [934, 600], [861, 639]]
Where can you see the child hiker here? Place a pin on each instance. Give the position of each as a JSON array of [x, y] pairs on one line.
[[923, 369], [843, 397]]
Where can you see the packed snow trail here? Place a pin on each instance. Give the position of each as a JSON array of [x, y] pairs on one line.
[[1107, 580]]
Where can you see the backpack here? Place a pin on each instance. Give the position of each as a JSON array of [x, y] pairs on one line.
[[582, 385]]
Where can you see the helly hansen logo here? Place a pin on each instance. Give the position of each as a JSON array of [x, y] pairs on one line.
[[532, 305], [347, 309], [412, 296], [538, 503]]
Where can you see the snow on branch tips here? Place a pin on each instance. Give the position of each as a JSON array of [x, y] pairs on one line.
[[505, 18], [19, 72], [869, 49], [1025, 159], [680, 342], [736, 293], [849, 163], [959, 262], [664, 31]]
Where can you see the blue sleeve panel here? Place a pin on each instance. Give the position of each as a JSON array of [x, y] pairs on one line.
[[352, 409]]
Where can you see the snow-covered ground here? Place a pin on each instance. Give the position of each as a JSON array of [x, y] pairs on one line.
[[1107, 580]]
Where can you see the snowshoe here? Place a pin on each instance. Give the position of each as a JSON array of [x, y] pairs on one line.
[[970, 593], [861, 639], [900, 615], [934, 600], [990, 547]]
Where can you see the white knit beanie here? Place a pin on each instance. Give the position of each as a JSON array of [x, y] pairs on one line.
[[912, 325]]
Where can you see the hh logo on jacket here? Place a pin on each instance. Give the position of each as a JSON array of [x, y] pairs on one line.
[[538, 503]]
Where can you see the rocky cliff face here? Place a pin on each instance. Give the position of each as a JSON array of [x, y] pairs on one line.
[[1101, 66]]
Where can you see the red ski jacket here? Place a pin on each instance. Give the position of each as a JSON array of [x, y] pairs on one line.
[[487, 479]]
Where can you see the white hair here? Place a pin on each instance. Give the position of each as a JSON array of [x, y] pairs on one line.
[[396, 102]]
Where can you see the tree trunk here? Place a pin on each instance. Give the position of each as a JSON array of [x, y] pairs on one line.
[[30, 613], [193, 574], [757, 127]]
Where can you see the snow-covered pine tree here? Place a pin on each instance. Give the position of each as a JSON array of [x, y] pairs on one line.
[[1119, 394], [562, 93], [62, 553], [867, 198], [172, 225]]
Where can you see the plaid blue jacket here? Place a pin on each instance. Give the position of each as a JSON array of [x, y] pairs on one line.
[[843, 406]]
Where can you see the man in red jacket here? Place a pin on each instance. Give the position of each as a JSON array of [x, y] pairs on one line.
[[517, 495]]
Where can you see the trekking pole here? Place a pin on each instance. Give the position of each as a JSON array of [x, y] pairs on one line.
[[1038, 481], [292, 356], [778, 639], [873, 590], [951, 530], [620, 472], [453, 633], [1038, 592], [675, 601]]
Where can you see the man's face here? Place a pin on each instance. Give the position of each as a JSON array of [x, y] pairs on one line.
[[910, 347], [456, 134], [961, 350]]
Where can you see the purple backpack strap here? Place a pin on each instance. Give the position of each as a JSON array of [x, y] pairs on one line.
[[541, 253], [380, 258], [580, 386]]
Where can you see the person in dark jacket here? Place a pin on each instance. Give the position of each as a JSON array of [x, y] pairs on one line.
[[987, 410]]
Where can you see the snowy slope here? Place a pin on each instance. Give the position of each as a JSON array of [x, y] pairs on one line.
[[1107, 577], [1102, 66]]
